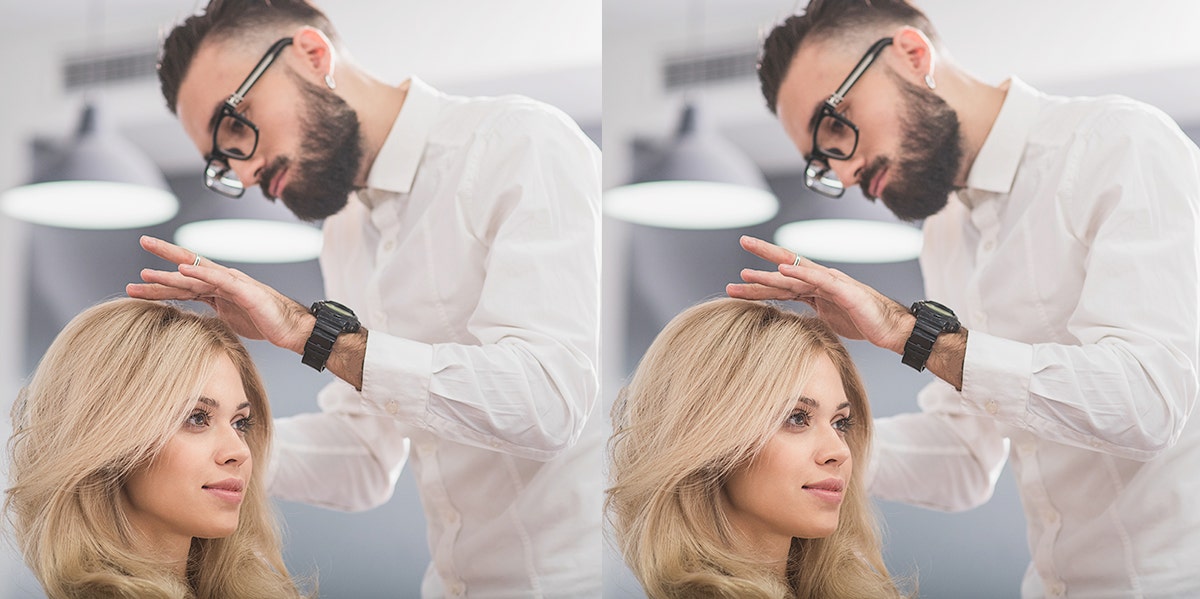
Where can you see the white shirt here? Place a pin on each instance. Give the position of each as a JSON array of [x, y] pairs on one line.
[[472, 258], [1072, 259]]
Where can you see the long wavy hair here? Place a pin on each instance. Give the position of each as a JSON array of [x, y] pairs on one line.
[[709, 393], [111, 390]]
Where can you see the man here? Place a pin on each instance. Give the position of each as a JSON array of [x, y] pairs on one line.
[[465, 233], [1063, 234]]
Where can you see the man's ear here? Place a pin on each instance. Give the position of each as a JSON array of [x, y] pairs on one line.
[[914, 56], [315, 51]]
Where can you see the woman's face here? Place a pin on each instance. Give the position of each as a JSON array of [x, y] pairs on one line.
[[795, 486], [195, 487]]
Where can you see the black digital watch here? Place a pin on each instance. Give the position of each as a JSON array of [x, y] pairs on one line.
[[333, 319], [933, 319]]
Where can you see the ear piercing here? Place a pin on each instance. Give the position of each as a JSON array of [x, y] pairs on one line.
[[333, 85], [928, 81]]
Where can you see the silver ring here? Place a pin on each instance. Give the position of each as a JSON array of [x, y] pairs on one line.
[[796, 262], [196, 262]]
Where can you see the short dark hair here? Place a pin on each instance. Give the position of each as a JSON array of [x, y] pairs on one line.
[[229, 19], [828, 19]]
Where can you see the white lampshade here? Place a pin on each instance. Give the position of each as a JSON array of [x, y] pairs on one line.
[[697, 180], [850, 240], [96, 180], [251, 240]]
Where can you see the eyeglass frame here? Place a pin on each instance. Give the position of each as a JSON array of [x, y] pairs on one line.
[[828, 109], [228, 109]]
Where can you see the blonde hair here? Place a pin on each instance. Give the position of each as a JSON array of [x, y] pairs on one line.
[[709, 393], [111, 390]]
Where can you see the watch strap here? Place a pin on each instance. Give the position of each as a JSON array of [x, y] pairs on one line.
[[333, 319], [933, 319]]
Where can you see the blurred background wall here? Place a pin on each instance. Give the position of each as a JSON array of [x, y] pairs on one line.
[[547, 49]]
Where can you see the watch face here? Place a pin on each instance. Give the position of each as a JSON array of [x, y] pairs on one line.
[[934, 307], [338, 309]]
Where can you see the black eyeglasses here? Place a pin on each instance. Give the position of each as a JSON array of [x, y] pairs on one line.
[[234, 136], [834, 136]]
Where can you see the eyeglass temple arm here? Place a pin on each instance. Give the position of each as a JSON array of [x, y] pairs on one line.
[[866, 61], [239, 95]]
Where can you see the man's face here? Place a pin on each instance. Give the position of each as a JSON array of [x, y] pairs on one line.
[[309, 149], [909, 148]]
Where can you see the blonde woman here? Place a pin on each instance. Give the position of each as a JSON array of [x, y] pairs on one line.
[[137, 459], [737, 460]]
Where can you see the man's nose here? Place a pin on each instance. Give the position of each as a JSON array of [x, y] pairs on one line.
[[248, 171], [848, 171]]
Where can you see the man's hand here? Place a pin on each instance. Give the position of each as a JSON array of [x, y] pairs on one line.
[[854, 310], [252, 309]]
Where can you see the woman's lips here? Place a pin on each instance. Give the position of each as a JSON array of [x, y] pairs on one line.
[[829, 490], [229, 490]]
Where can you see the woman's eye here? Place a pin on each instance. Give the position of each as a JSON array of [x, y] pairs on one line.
[[198, 418], [844, 425], [798, 418], [243, 425]]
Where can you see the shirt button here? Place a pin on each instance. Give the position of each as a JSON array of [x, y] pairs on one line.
[[992, 407], [978, 317], [388, 245], [988, 245], [426, 447], [378, 316], [452, 517], [458, 589], [1058, 589], [1026, 447], [393, 407], [1051, 518]]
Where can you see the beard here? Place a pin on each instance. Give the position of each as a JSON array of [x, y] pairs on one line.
[[330, 157], [921, 182]]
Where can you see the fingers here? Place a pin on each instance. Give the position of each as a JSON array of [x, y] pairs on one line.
[[154, 291], [171, 252], [771, 252], [777, 280], [755, 291]]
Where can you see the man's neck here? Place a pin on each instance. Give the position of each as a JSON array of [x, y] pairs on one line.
[[377, 105], [977, 104]]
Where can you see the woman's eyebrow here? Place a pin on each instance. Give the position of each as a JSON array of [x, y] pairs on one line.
[[208, 401], [815, 404]]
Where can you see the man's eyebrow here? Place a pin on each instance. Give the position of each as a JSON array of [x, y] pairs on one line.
[[812, 122], [216, 116]]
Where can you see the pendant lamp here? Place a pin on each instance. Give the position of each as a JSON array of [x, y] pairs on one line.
[[695, 180], [95, 180]]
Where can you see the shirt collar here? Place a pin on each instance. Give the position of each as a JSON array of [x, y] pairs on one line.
[[995, 166], [396, 164]]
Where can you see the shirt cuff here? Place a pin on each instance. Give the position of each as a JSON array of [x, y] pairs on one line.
[[996, 374], [396, 374]]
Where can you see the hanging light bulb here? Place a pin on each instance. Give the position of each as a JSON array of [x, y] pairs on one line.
[[96, 180], [696, 180]]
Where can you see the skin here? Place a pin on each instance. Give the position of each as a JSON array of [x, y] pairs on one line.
[[253, 309], [166, 500], [855, 310], [766, 501]]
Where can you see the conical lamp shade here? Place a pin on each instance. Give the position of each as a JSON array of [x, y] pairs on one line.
[[697, 180], [97, 180]]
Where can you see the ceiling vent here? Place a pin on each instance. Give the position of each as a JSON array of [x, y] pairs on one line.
[[713, 67], [81, 72]]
